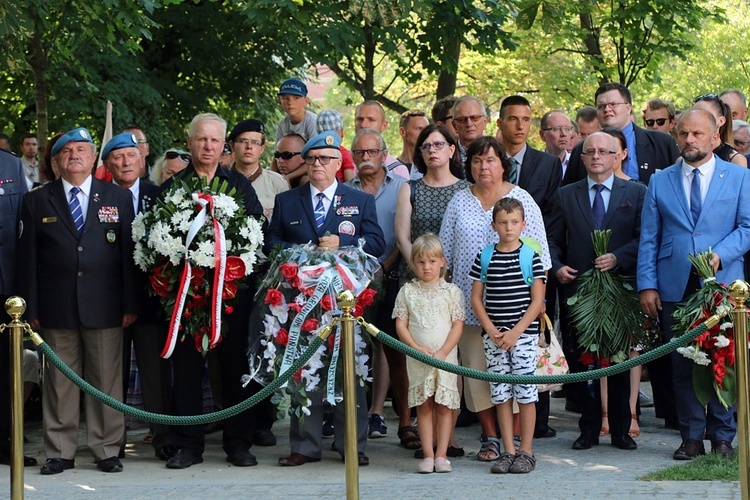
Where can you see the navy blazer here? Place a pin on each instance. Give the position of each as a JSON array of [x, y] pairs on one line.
[[655, 151], [541, 174], [12, 188], [293, 220], [71, 282]]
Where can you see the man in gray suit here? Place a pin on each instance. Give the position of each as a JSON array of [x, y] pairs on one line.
[[600, 201], [76, 255]]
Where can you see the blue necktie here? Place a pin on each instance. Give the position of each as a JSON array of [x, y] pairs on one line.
[[695, 195], [75, 210], [597, 210], [513, 174], [320, 211]]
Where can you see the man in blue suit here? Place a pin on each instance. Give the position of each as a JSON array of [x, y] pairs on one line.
[[699, 203], [332, 215]]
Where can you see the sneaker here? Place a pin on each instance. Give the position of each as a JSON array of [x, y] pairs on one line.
[[644, 400], [377, 428], [328, 427]]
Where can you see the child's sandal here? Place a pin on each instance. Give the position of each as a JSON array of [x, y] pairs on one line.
[[503, 465], [635, 429], [523, 463]]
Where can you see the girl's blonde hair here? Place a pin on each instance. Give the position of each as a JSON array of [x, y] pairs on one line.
[[427, 245]]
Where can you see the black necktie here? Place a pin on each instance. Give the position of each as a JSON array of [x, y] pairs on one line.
[[597, 210]]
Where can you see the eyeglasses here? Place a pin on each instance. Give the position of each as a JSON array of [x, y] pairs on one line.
[[557, 130], [323, 160], [360, 153], [252, 142], [464, 119], [658, 121], [445, 120], [707, 97], [611, 105], [142, 141], [438, 145], [600, 152], [171, 155], [286, 155]]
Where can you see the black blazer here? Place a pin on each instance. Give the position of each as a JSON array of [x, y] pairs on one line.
[[655, 151], [570, 239], [148, 193], [540, 177], [70, 282]]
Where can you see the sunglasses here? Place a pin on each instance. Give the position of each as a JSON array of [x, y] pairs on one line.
[[658, 121], [707, 97], [285, 155], [171, 155]]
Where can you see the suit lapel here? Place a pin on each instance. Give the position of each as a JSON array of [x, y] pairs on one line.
[[528, 166], [307, 207], [331, 215], [615, 199], [95, 203], [675, 175], [59, 202], [584, 204], [717, 184]]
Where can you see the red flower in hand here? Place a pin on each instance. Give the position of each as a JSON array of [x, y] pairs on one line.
[[274, 297], [310, 325]]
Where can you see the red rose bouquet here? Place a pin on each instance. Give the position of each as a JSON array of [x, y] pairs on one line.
[[197, 244], [296, 299]]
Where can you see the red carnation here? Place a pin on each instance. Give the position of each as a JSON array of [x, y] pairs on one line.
[[274, 297], [282, 337], [310, 325], [288, 271], [366, 297]]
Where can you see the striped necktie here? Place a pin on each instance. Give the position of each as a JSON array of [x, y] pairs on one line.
[[320, 211], [75, 210], [513, 174], [597, 209]]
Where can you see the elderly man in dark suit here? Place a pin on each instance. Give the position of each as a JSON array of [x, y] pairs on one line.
[[332, 215], [539, 173], [123, 159], [76, 254], [600, 201], [13, 187]]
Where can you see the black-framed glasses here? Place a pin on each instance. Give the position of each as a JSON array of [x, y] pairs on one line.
[[286, 155], [658, 121], [600, 152], [360, 153], [437, 145], [569, 129], [323, 160], [171, 155], [707, 97], [464, 119]]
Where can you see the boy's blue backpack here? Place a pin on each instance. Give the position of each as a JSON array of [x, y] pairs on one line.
[[526, 258]]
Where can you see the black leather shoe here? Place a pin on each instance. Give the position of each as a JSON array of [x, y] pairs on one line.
[[184, 459], [547, 432], [264, 437], [585, 442], [242, 458], [111, 464], [363, 459], [5, 459], [723, 448], [689, 449], [296, 459], [56, 466], [624, 442], [166, 452]]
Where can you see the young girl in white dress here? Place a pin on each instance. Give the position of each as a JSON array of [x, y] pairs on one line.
[[430, 315]]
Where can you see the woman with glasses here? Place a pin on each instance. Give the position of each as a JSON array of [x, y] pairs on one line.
[[723, 115], [466, 230], [168, 164], [419, 210]]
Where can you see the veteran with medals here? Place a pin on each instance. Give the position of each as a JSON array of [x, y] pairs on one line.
[[75, 257], [331, 215]]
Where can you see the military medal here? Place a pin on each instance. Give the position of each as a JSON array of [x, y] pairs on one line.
[[346, 227], [111, 236]]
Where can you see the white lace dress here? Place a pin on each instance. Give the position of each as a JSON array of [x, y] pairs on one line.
[[430, 311]]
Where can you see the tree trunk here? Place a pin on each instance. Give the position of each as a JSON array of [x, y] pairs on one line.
[[370, 46], [447, 78], [39, 64], [593, 48]]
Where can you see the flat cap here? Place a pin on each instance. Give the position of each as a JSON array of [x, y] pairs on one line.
[[79, 134], [123, 140], [247, 126], [324, 140]]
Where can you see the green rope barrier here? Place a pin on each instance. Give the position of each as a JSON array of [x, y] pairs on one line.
[[183, 419], [670, 346]]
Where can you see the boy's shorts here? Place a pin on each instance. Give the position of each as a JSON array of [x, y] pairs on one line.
[[520, 360]]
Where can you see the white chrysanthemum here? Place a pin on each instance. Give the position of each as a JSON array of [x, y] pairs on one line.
[[721, 341], [142, 259], [251, 231], [139, 227], [181, 221], [225, 207], [179, 197], [200, 259], [249, 258]]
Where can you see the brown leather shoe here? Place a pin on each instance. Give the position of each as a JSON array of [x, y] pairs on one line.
[[689, 449], [723, 448], [296, 459]]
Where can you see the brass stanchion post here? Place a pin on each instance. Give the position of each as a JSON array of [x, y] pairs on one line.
[[346, 301], [740, 291], [16, 306]]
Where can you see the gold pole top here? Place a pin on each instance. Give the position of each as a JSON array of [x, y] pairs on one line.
[[15, 306], [347, 300], [740, 291]]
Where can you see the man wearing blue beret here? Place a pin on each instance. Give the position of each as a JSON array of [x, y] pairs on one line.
[[75, 252], [332, 215]]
